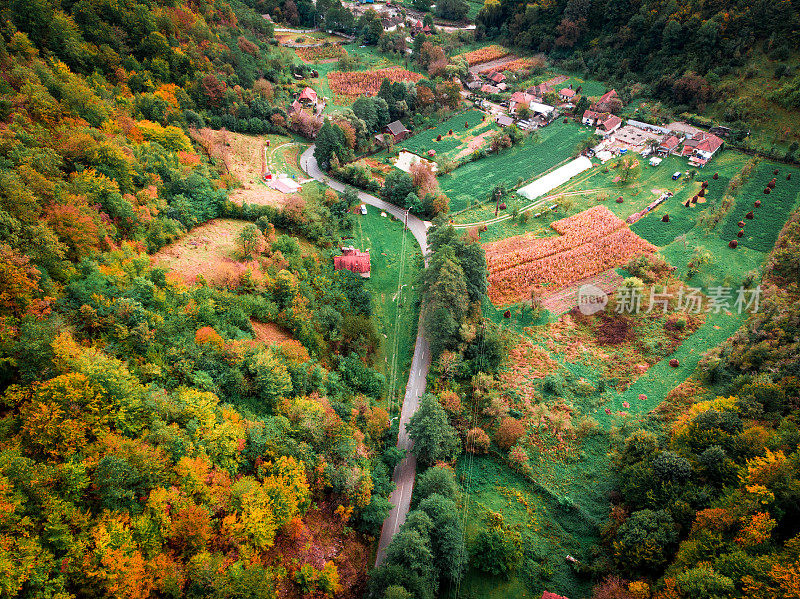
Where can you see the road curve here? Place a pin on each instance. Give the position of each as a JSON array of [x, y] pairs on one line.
[[406, 470]]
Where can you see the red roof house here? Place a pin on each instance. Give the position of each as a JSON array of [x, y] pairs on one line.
[[549, 595], [497, 77], [352, 260], [703, 145], [592, 117], [308, 95], [610, 124], [608, 102], [668, 145], [566, 94]]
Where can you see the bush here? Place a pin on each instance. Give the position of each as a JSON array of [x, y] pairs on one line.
[[509, 432]]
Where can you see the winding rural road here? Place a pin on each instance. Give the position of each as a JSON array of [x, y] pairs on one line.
[[406, 470]]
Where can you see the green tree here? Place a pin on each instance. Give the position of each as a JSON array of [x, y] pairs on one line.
[[646, 541], [330, 142], [397, 186], [497, 551], [434, 437], [435, 480], [249, 241]]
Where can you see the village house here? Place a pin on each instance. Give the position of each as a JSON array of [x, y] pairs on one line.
[[549, 595], [496, 77], [520, 98], [295, 107], [608, 125], [308, 97], [396, 129], [353, 260], [591, 118], [668, 146], [490, 89], [566, 94], [701, 147], [539, 90], [504, 120], [608, 102]]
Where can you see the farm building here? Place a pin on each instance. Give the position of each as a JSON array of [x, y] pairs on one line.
[[541, 109], [591, 117], [668, 146], [496, 78], [566, 94], [518, 98], [308, 96], [608, 102], [504, 120], [490, 89], [539, 90], [608, 125], [353, 260], [397, 130], [701, 145], [543, 185]]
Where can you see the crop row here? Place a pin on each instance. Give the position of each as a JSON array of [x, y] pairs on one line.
[[317, 53], [485, 54], [517, 64], [358, 83], [576, 230], [559, 270]]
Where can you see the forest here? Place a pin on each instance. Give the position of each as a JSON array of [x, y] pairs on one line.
[[155, 442]]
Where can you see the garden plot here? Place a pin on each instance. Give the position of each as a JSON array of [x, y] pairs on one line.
[[366, 83], [470, 131], [472, 183], [590, 242]]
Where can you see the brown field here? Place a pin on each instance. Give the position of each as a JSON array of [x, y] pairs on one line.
[[208, 250], [358, 83], [589, 243], [320, 53], [486, 54]]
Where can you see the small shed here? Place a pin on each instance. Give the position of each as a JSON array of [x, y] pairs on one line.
[[504, 120], [353, 260], [397, 130]]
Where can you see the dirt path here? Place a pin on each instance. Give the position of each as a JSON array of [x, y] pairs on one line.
[[474, 144], [563, 300]]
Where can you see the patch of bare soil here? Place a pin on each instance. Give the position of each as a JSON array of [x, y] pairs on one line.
[[270, 333], [475, 143], [209, 250]]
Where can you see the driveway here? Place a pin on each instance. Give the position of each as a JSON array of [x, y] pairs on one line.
[[406, 470]]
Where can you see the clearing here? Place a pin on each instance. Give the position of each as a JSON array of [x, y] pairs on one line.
[[208, 250]]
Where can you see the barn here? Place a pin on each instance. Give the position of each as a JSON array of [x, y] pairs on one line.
[[353, 260]]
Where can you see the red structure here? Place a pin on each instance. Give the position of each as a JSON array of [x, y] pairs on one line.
[[549, 595], [353, 260]]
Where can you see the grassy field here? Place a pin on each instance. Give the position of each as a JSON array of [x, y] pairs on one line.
[[473, 182], [462, 142], [394, 263], [549, 530]]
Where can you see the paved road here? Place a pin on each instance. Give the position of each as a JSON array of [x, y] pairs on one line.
[[406, 470]]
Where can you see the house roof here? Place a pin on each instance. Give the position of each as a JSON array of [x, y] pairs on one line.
[[611, 122], [541, 108], [671, 143], [489, 89], [396, 128], [522, 98], [592, 114], [567, 92], [296, 106], [497, 77], [352, 259], [504, 120], [549, 595], [308, 94], [609, 95], [538, 90], [709, 142]]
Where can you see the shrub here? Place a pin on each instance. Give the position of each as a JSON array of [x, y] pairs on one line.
[[509, 432], [477, 441]]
